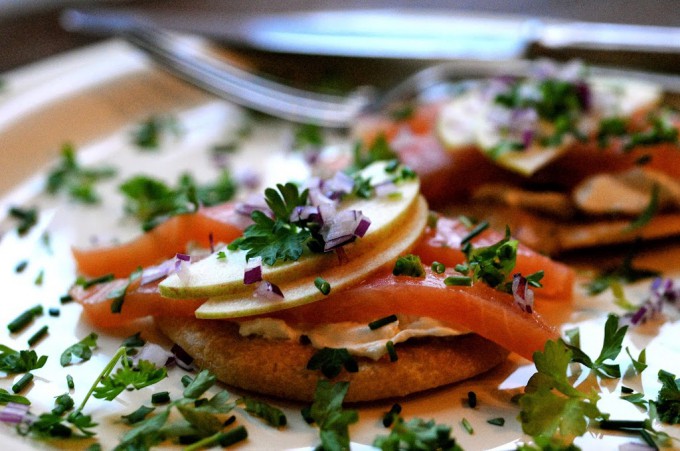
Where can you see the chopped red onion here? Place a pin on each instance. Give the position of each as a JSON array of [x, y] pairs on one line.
[[154, 273], [254, 203], [268, 291], [362, 227], [247, 178], [14, 413], [211, 240], [326, 213], [338, 185], [385, 188], [338, 242], [183, 359], [343, 228], [527, 137], [661, 291], [342, 255], [182, 264], [154, 354], [302, 213], [523, 295], [253, 272]]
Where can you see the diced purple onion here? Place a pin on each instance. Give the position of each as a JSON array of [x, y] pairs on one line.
[[362, 227], [183, 359], [302, 213], [661, 291], [14, 413], [182, 264], [211, 240], [527, 137], [326, 213], [154, 354], [385, 188], [154, 273], [338, 185], [254, 203], [338, 242], [584, 95], [268, 291], [523, 295], [253, 272], [247, 178]]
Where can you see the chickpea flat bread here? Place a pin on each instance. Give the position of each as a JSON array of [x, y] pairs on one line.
[[195, 276]]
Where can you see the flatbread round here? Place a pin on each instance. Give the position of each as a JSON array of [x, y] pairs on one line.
[[278, 367]]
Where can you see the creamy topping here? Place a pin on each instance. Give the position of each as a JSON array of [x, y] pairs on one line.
[[357, 338]]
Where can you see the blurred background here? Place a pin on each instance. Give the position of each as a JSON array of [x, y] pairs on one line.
[[30, 30]]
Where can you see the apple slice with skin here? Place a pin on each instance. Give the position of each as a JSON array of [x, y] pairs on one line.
[[302, 290], [215, 276]]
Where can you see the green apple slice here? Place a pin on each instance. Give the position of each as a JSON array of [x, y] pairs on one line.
[[302, 290], [215, 276]]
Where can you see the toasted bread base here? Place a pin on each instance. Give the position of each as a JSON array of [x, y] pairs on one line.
[[278, 367]]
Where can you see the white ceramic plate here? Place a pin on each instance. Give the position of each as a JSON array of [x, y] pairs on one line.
[[93, 98]]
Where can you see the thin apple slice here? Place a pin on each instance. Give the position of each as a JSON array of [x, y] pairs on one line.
[[222, 276], [302, 290]]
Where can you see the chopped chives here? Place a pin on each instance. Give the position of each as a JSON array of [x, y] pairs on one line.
[[626, 390], [499, 421], [39, 278], [186, 380], [160, 397], [21, 321], [479, 228], [467, 426], [22, 383], [323, 286], [19, 268], [69, 382], [95, 281], [389, 417], [229, 421], [438, 268], [53, 311], [617, 425], [391, 351], [36, 337], [458, 281], [65, 299], [378, 323], [472, 399], [236, 435]]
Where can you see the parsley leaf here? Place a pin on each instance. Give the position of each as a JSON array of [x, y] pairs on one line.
[[409, 265], [273, 240], [148, 134], [57, 424], [649, 211], [626, 272], [551, 408], [379, 150], [331, 361], [138, 415], [668, 399], [78, 182], [81, 350], [308, 136], [201, 383], [283, 200], [417, 434], [272, 415], [611, 347], [6, 397], [327, 412], [12, 361], [142, 375]]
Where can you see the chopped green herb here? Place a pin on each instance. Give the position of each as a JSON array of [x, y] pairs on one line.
[[138, 415], [82, 350], [162, 397], [142, 375], [492, 264], [648, 213], [76, 181], [323, 286], [39, 278], [12, 361], [625, 273], [148, 134], [65, 299], [610, 127], [391, 351], [199, 385], [88, 283], [331, 361], [328, 414], [611, 347], [54, 311], [308, 136], [417, 434], [21, 321], [409, 265], [402, 112], [498, 421], [479, 228], [39, 335], [467, 426], [458, 281], [663, 131], [379, 150], [6, 397], [472, 399], [69, 382], [272, 415], [118, 295], [438, 268], [27, 217], [21, 266], [378, 323], [391, 415], [134, 341], [668, 400], [22, 383], [637, 399], [639, 364]]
